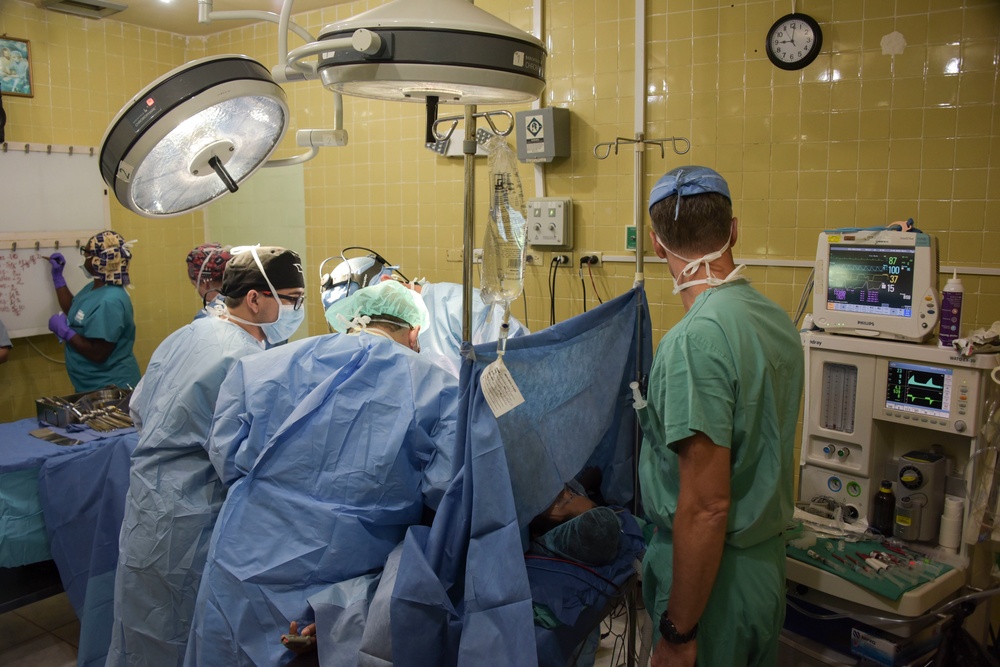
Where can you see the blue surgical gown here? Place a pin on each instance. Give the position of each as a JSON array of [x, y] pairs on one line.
[[174, 493], [344, 439], [442, 337], [106, 314]]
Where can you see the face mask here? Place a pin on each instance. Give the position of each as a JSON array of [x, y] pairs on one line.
[[83, 267], [282, 328], [692, 267]]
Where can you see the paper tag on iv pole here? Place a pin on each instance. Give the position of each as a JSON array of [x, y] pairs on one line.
[[499, 388]]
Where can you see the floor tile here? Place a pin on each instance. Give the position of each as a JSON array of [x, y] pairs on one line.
[[16, 630], [69, 633], [50, 613], [45, 651]]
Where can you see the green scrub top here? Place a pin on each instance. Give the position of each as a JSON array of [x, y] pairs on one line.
[[733, 369], [106, 314]]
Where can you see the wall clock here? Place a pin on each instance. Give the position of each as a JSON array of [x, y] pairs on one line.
[[794, 41]]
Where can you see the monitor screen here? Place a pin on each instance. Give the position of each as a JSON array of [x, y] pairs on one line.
[[878, 283], [920, 390], [873, 280]]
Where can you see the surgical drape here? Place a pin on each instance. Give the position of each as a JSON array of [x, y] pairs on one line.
[[462, 594]]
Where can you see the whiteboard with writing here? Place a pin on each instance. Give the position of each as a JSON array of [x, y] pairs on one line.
[[27, 297], [50, 197]]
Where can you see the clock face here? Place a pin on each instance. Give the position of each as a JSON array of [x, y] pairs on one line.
[[794, 41]]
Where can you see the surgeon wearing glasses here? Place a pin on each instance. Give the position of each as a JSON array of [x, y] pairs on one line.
[[174, 492]]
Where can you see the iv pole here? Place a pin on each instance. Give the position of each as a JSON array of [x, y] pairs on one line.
[[469, 148]]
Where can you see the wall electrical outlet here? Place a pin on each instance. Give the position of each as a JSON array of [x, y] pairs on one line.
[[477, 255], [597, 256], [532, 258]]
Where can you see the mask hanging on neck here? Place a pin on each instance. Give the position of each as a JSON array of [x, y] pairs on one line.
[[694, 264]]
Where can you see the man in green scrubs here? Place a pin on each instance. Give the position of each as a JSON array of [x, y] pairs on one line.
[[97, 324], [716, 465]]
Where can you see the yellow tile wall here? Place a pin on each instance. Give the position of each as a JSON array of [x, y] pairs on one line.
[[858, 138], [83, 72]]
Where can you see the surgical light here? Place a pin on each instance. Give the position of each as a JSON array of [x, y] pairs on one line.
[[192, 135], [445, 49]]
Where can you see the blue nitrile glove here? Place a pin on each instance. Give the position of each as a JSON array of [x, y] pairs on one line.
[[60, 327], [57, 262]]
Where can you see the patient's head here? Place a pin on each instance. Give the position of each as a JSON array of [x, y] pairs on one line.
[[576, 528], [567, 505]]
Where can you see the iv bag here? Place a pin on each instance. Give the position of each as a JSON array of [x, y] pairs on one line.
[[502, 277]]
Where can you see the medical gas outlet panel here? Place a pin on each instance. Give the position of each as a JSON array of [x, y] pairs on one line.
[[868, 403], [550, 223]]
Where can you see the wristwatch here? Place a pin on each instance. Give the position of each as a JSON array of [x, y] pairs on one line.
[[672, 636]]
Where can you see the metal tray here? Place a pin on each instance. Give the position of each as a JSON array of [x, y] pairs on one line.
[[58, 414]]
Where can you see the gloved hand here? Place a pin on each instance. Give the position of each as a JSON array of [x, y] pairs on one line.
[[60, 327], [56, 263]]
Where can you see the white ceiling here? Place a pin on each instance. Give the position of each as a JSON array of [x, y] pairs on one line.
[[181, 16]]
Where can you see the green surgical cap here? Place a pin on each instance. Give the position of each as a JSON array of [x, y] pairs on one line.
[[385, 298]]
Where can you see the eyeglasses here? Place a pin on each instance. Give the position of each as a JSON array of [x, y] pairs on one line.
[[296, 301], [87, 253]]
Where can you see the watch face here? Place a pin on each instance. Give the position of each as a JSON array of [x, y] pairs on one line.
[[794, 41]]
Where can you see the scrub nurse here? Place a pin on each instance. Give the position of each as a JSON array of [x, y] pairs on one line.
[[97, 325]]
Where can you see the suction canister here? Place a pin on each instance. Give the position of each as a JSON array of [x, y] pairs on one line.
[[908, 514]]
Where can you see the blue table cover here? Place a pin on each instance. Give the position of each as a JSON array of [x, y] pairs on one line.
[[83, 499], [22, 529]]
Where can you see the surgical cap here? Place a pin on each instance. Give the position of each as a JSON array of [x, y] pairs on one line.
[[591, 538], [684, 181], [350, 276], [283, 267], [110, 257], [386, 298], [207, 262]]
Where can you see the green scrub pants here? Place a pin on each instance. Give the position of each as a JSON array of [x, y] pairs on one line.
[[746, 610]]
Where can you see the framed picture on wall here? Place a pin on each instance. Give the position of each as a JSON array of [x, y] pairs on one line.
[[15, 67]]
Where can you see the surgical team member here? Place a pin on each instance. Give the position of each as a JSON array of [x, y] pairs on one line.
[[344, 440], [716, 465], [205, 266], [174, 492], [5, 344], [441, 339], [97, 324]]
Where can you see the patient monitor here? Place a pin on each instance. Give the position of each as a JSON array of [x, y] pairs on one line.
[[877, 283]]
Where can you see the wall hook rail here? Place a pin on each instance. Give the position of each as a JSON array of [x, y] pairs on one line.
[[603, 150]]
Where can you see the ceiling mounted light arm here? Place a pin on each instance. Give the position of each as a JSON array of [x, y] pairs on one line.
[[206, 15], [362, 41]]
